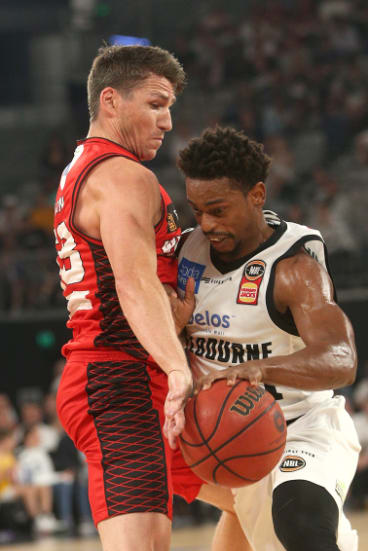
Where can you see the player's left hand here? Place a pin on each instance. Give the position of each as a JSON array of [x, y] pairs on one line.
[[182, 308], [250, 371]]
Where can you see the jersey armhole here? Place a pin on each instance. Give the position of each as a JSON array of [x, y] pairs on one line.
[[285, 321], [77, 187], [183, 237]]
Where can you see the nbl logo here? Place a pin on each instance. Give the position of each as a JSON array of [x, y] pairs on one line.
[[255, 269]]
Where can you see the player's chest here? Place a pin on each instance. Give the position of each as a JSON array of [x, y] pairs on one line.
[[231, 303]]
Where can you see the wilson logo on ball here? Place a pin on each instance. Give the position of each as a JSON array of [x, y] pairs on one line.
[[245, 402]]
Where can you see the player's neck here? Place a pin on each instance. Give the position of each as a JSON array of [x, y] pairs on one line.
[[104, 131], [246, 248]]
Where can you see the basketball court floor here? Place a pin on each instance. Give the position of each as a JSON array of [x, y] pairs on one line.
[[184, 539]]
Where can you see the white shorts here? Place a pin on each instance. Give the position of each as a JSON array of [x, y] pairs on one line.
[[322, 447]]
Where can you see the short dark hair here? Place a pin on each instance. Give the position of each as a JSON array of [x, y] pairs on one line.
[[225, 153], [123, 67]]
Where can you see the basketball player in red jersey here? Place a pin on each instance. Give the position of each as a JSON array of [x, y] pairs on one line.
[[126, 377]]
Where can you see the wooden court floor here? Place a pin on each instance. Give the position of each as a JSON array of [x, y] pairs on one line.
[[184, 539]]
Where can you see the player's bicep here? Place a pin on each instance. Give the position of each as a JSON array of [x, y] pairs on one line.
[[307, 289], [128, 209]]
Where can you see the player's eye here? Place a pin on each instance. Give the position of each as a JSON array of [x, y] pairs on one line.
[[197, 213], [217, 212]]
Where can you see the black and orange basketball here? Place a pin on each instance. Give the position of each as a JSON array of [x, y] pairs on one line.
[[233, 435]]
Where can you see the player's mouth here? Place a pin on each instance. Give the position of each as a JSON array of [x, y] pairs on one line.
[[217, 240]]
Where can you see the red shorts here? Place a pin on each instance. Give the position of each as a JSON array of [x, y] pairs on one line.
[[111, 405]]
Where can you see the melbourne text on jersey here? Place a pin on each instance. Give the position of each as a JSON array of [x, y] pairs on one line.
[[224, 351]]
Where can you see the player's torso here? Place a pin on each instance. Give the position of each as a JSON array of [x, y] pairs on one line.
[[235, 319], [86, 275]]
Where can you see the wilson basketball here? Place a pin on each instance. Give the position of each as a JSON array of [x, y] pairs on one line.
[[233, 435]]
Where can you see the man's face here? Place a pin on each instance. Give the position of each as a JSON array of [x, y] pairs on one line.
[[228, 218], [144, 116]]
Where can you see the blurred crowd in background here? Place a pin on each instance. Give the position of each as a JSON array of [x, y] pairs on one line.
[[294, 79], [291, 74], [43, 478]]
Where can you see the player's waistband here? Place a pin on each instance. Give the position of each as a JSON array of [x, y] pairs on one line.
[[104, 355]]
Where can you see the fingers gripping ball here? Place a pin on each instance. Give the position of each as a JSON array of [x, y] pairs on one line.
[[233, 435]]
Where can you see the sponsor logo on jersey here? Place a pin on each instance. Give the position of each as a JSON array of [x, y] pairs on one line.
[[187, 269], [222, 351], [172, 218], [255, 269], [311, 253], [251, 282], [248, 293], [214, 320], [340, 489], [59, 205], [292, 463], [215, 281], [169, 246]]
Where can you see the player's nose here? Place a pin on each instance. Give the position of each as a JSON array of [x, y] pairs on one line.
[[207, 223], [165, 121]]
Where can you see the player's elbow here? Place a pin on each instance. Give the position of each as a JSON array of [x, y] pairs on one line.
[[346, 362]]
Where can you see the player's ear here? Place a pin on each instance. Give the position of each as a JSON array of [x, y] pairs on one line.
[[108, 100], [258, 194]]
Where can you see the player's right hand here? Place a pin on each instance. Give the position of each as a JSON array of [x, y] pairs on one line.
[[180, 388], [251, 371]]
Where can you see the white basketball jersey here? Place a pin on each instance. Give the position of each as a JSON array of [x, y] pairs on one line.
[[235, 319]]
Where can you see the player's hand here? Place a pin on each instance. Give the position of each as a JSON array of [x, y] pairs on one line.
[[250, 371], [182, 308], [180, 388]]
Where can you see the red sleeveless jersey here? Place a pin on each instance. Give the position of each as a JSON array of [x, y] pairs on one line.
[[87, 280]]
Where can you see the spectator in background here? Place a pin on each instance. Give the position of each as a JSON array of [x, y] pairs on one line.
[[8, 415], [71, 489], [57, 370], [35, 476], [55, 156], [282, 177], [351, 173], [15, 523], [11, 215], [7, 465], [31, 415], [41, 215]]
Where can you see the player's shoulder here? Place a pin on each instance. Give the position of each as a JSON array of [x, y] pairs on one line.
[[301, 270], [301, 260], [121, 167], [292, 230], [119, 176]]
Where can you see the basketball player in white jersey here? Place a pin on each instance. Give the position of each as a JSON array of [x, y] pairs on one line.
[[265, 311]]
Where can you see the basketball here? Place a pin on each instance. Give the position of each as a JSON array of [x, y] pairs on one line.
[[233, 435]]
